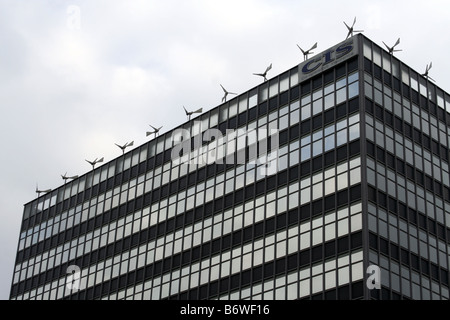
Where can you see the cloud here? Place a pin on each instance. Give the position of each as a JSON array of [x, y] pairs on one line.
[[374, 17]]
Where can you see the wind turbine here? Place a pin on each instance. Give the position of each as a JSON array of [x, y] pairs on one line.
[[126, 145], [41, 191], [305, 53], [93, 163], [155, 130], [392, 49], [189, 113], [426, 72], [224, 99], [350, 29], [65, 177], [265, 73]]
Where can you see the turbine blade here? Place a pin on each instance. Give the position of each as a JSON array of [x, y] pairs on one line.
[[301, 49], [223, 89], [185, 111], [148, 133], [268, 68], [152, 127], [389, 49], [131, 143], [199, 110], [354, 21], [101, 160], [397, 43], [313, 47], [347, 26]]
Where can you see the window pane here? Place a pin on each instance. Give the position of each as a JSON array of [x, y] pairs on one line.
[[329, 142], [295, 116], [341, 95], [341, 137], [317, 191], [306, 99], [343, 275], [342, 181], [317, 135], [293, 158], [282, 163], [330, 186], [317, 106], [284, 122], [306, 112], [329, 89], [353, 77], [330, 280], [353, 90], [341, 83], [305, 195], [353, 132], [306, 153], [317, 148], [329, 101]]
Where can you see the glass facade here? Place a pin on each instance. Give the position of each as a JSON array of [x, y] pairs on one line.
[[361, 178], [407, 130]]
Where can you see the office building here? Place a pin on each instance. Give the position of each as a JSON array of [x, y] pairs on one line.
[[361, 181]]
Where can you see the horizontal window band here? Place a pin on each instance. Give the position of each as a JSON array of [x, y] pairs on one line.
[[287, 135], [409, 259], [407, 170], [238, 237], [269, 212], [267, 270], [251, 191], [220, 287], [400, 87], [409, 131], [394, 205]]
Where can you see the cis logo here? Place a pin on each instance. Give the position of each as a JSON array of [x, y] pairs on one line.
[[73, 279], [373, 280]]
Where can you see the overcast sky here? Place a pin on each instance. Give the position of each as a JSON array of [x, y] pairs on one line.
[[78, 76]]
